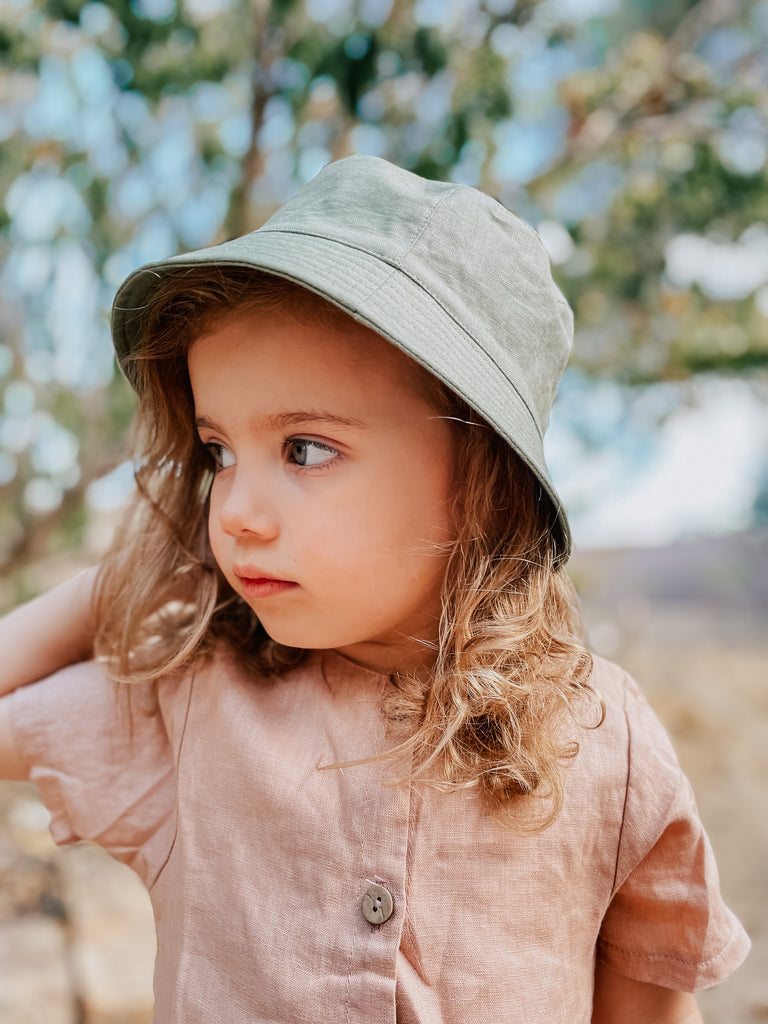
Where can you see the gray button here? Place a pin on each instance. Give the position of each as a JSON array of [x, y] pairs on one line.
[[377, 905]]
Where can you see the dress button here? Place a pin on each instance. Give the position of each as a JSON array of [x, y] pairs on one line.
[[377, 904]]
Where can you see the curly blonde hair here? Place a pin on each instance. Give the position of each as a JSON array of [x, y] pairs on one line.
[[511, 675]]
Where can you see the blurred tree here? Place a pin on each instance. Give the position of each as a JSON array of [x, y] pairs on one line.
[[633, 135]]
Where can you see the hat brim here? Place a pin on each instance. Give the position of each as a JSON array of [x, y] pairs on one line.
[[382, 297]]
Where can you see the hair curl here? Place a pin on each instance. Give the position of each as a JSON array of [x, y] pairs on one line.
[[510, 671]]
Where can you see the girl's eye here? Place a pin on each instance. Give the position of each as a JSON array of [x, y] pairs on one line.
[[222, 456], [304, 452]]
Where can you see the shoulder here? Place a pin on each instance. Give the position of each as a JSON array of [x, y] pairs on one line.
[[81, 715], [630, 723], [76, 698], [630, 756], [102, 761], [615, 685], [644, 764]]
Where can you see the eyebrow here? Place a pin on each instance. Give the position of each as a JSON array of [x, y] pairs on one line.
[[283, 420]]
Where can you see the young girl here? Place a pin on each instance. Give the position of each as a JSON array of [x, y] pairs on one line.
[[357, 751]]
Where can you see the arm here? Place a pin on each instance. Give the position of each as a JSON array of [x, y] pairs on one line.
[[12, 764], [48, 633], [621, 1000]]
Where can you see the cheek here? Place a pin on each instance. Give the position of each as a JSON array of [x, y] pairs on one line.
[[405, 516], [424, 495], [413, 489]]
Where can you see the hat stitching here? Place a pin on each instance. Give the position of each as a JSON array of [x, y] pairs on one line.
[[287, 229], [367, 296], [395, 268]]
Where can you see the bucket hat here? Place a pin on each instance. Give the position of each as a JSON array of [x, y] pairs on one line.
[[443, 271]]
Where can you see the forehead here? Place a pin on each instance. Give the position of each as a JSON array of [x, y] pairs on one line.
[[313, 333]]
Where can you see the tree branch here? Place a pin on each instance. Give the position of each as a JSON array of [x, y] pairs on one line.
[[267, 49], [603, 126]]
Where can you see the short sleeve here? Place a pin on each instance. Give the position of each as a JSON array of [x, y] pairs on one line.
[[102, 762], [667, 923]]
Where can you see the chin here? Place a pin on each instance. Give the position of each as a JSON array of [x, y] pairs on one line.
[[288, 636], [312, 640]]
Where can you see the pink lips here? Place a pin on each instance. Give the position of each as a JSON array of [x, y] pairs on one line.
[[254, 582]]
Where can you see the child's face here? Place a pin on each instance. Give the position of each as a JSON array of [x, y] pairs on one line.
[[330, 509]]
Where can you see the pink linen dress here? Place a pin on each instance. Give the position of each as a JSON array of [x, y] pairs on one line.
[[263, 869]]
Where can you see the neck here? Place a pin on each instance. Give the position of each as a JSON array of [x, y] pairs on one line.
[[414, 658]]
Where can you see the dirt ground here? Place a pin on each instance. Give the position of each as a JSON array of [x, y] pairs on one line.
[[76, 939]]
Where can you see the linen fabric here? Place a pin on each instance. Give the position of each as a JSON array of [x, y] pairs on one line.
[[257, 858], [441, 270]]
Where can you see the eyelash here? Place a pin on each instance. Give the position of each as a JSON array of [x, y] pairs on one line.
[[215, 449], [291, 441]]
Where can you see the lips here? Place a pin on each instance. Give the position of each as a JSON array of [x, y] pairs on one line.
[[255, 582]]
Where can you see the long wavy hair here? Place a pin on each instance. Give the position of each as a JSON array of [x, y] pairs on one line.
[[510, 685]]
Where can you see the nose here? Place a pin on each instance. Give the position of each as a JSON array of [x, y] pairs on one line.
[[243, 509]]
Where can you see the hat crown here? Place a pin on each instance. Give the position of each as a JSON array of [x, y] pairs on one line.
[[363, 202], [488, 269], [441, 270]]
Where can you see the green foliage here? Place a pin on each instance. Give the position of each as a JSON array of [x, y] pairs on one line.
[[429, 52], [352, 67], [64, 10]]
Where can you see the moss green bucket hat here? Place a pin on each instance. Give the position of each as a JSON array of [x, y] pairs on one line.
[[443, 271]]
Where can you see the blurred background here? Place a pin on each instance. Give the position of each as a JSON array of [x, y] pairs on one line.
[[632, 134]]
